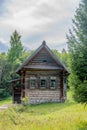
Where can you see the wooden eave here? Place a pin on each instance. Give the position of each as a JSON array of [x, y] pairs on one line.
[[44, 67], [14, 80]]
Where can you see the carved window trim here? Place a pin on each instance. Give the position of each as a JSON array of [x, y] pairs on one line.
[[52, 82], [43, 82], [33, 82]]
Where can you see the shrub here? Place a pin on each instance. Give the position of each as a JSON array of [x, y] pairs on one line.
[[81, 92], [25, 101]]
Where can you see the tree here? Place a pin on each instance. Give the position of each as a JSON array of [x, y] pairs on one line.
[[3, 75], [15, 52], [9, 63], [63, 56], [3, 61], [77, 44], [16, 48]]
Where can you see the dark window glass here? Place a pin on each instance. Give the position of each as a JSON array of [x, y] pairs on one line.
[[53, 83], [43, 83]]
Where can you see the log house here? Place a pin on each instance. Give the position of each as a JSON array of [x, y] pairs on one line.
[[42, 78]]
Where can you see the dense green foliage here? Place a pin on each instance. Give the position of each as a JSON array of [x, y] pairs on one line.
[[63, 56], [77, 43], [9, 62], [49, 116], [16, 48], [4, 76]]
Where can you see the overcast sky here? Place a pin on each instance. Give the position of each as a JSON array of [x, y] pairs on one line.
[[37, 20]]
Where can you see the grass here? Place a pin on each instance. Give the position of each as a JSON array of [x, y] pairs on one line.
[[51, 116], [6, 101]]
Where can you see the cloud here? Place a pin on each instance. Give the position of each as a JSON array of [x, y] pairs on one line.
[[3, 47], [37, 20]]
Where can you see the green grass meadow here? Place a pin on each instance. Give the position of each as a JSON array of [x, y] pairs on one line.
[[50, 116]]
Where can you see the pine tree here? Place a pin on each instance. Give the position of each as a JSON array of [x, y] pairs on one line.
[[15, 53], [16, 48], [77, 44]]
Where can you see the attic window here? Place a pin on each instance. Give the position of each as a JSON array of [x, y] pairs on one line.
[[44, 60]]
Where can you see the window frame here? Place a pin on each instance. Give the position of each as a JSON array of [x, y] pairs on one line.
[[53, 78], [33, 79], [45, 79]]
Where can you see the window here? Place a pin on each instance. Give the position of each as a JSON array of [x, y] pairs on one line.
[[53, 82], [43, 82], [32, 82]]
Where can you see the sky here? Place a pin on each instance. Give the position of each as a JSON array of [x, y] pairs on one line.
[[35, 21]]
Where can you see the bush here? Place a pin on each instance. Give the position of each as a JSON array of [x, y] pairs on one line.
[[3, 93], [25, 101], [81, 92]]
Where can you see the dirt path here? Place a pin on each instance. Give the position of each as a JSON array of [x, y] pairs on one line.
[[3, 107]]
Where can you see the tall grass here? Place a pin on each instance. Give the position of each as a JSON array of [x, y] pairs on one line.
[[51, 116]]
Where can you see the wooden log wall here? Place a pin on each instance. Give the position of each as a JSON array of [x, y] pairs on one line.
[[39, 95]]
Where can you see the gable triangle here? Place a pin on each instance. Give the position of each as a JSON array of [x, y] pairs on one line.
[[43, 60]]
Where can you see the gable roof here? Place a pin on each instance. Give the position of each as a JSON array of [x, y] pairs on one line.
[[56, 59]]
